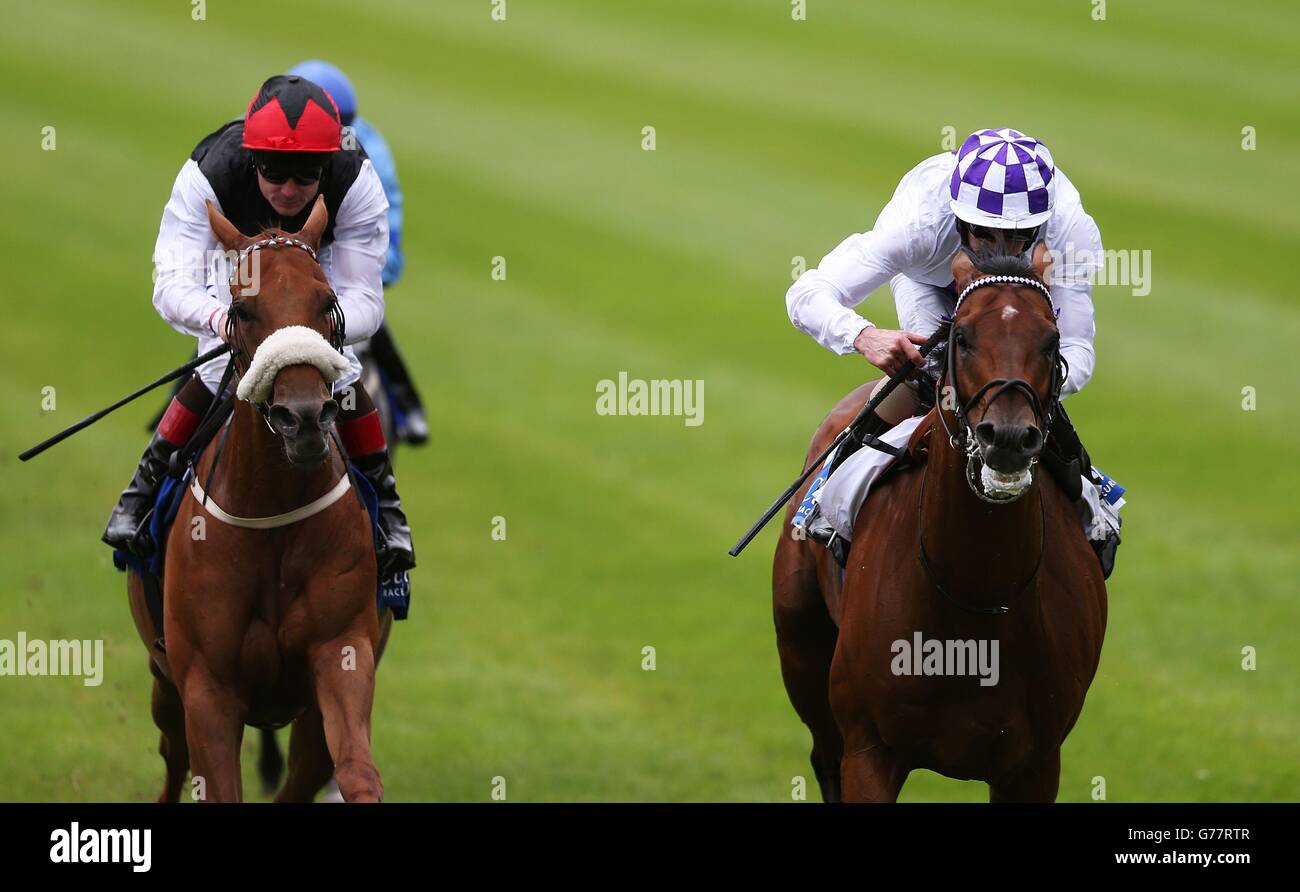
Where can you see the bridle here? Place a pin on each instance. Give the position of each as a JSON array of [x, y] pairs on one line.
[[222, 406], [338, 322], [964, 440]]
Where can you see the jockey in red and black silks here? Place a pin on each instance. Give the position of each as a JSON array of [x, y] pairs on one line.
[[265, 171]]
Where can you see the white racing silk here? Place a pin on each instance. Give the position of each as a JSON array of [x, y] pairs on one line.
[[912, 245]]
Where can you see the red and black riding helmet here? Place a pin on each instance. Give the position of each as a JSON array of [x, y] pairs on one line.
[[292, 114]]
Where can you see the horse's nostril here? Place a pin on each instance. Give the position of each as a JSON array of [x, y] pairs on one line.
[[1031, 440], [329, 410], [1009, 438], [283, 420]]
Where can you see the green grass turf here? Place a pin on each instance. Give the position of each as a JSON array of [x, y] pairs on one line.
[[775, 138]]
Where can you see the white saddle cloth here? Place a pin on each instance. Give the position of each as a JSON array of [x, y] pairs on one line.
[[844, 491], [841, 496]]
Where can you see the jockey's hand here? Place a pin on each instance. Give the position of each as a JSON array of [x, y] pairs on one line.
[[219, 325], [889, 350]]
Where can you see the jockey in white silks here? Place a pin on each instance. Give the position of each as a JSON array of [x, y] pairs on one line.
[[262, 171], [1000, 191]]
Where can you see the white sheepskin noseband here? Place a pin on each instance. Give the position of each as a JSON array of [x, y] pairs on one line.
[[291, 345]]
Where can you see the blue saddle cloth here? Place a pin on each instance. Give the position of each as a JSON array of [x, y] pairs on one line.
[[393, 592], [806, 506]]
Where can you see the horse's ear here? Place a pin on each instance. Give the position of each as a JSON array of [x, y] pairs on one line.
[[315, 227], [231, 238], [1042, 262], [963, 269]]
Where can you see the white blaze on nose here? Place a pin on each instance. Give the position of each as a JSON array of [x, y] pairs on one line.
[[1007, 312]]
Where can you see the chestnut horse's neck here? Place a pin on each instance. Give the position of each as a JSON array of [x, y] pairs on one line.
[[255, 478], [984, 555]]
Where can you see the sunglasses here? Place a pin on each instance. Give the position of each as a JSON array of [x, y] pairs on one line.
[[277, 176], [988, 234]]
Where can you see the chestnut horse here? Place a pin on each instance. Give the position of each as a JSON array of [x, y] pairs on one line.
[[973, 543], [271, 621]]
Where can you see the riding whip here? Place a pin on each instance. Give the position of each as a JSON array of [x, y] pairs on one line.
[[897, 378], [91, 419]]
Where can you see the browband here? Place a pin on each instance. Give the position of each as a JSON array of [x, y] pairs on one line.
[[999, 280]]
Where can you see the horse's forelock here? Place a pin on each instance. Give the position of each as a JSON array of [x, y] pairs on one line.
[[997, 264], [993, 264]]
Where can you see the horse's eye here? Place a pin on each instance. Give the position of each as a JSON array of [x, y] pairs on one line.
[[961, 340], [240, 312]]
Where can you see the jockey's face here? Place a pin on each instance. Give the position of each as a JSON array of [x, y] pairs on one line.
[[984, 240], [288, 198]]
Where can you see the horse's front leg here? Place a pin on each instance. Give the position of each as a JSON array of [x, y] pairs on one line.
[[343, 669], [214, 729], [310, 767], [870, 772]]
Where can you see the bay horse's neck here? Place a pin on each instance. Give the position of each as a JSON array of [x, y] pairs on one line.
[[256, 478], [981, 553]]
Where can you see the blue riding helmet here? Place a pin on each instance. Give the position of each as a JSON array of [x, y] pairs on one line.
[[335, 82]]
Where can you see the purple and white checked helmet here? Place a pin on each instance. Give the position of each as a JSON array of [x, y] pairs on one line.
[[1003, 179]]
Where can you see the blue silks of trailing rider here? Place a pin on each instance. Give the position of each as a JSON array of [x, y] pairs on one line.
[[409, 418]]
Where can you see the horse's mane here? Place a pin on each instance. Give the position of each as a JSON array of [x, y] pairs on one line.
[[996, 264]]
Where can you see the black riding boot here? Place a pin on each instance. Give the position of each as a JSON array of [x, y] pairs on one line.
[[1067, 460], [395, 550], [128, 526]]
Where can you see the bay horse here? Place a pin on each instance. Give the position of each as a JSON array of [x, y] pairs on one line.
[[270, 616], [971, 543]]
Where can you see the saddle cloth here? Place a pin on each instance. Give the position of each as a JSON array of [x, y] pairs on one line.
[[840, 495], [833, 501]]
